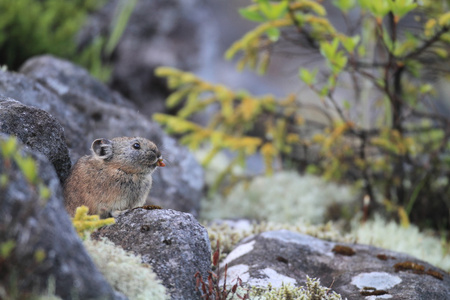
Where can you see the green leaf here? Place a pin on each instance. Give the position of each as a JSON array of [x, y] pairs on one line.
[[39, 255], [279, 9], [8, 147], [387, 40], [444, 20], [426, 88], [273, 34], [44, 192], [251, 14], [346, 104], [265, 8], [273, 11], [28, 167], [6, 248], [344, 5], [308, 77], [361, 51], [350, 43], [441, 52]]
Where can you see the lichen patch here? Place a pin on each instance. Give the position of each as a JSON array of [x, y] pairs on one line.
[[271, 276], [376, 280], [235, 272], [238, 252]]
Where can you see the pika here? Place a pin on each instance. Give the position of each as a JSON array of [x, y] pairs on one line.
[[115, 177]]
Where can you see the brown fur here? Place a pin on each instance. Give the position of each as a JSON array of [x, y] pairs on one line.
[[115, 177]]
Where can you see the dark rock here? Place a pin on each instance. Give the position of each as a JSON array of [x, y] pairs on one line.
[[46, 246], [173, 243], [352, 270], [174, 33], [38, 130], [52, 85]]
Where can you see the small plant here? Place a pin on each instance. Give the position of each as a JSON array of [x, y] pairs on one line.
[[212, 289], [85, 224]]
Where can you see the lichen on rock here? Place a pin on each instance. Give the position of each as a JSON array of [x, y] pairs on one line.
[[124, 271]]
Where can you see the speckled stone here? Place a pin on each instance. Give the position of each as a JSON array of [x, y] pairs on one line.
[[356, 271], [173, 243]]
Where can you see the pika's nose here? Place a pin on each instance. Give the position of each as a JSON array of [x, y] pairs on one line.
[[158, 153]]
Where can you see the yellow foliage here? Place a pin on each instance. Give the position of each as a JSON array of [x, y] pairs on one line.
[[269, 152], [85, 224], [254, 35], [444, 20], [227, 128], [292, 138], [403, 216], [337, 132], [249, 108], [392, 141]]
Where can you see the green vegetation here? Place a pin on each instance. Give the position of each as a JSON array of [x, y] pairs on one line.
[[384, 135], [29, 28]]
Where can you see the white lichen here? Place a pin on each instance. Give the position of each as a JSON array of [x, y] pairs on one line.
[[124, 271], [285, 197], [410, 240], [313, 290]]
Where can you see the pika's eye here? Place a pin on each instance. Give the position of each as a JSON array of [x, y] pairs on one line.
[[137, 146]]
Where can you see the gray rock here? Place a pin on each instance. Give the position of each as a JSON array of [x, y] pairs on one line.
[[32, 93], [173, 243], [38, 130], [78, 102], [39, 226], [352, 270], [176, 33]]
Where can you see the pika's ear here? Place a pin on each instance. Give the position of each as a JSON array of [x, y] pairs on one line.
[[102, 148]]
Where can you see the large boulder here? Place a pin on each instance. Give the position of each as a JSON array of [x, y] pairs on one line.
[[352, 270], [176, 33], [87, 110], [37, 129], [43, 245], [173, 243], [32, 93]]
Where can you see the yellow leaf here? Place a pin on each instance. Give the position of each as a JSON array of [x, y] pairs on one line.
[[248, 108], [403, 216], [292, 138], [444, 20], [429, 27]]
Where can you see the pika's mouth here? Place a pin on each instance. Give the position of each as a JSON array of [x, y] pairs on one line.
[[160, 162]]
